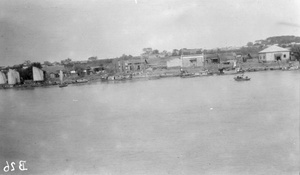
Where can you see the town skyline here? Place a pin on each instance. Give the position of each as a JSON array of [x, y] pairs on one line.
[[56, 30]]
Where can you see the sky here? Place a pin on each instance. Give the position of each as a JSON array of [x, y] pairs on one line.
[[53, 30]]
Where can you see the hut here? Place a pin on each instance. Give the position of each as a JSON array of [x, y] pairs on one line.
[[274, 53]]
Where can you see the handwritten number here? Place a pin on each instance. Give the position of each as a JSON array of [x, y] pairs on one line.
[[22, 165], [12, 166], [6, 168]]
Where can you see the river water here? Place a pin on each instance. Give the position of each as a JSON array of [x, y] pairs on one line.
[[208, 125]]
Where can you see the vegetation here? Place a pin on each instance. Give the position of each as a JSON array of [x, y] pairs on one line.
[[296, 52], [282, 40], [47, 63], [94, 58], [26, 74], [66, 61]]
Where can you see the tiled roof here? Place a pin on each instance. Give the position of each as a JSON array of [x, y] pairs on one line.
[[274, 48]]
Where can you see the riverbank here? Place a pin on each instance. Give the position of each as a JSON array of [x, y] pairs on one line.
[[206, 70]]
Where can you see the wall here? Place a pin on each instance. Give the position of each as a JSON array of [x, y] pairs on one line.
[[177, 62], [186, 61], [270, 56]]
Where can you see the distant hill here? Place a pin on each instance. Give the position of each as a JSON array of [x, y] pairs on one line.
[[280, 40], [252, 48]]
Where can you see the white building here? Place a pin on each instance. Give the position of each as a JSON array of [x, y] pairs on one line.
[[274, 53], [176, 62], [192, 60], [186, 61]]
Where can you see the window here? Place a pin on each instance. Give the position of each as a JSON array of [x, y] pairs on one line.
[[284, 56]]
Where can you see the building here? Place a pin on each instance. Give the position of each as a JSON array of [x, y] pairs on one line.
[[227, 57], [52, 71], [274, 53], [192, 60], [135, 65], [127, 66], [212, 58], [176, 62], [186, 61]]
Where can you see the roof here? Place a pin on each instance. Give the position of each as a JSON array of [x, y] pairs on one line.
[[211, 56], [192, 56], [227, 56], [135, 61], [274, 48]]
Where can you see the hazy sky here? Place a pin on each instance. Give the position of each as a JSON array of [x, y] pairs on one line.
[[58, 29]]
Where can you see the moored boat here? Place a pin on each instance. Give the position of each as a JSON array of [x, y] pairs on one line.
[[189, 75], [290, 68], [63, 85], [241, 78], [82, 81]]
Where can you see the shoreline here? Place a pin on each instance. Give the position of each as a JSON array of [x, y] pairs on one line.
[[168, 73]]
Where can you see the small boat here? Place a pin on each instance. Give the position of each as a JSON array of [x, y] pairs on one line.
[[290, 68], [241, 78], [119, 77], [63, 85], [82, 81], [189, 75]]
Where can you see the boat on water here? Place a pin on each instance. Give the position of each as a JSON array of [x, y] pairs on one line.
[[61, 77], [82, 81], [63, 85], [188, 75], [241, 78], [290, 68]]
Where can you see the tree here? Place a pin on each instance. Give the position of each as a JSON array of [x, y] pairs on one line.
[[94, 58], [181, 51], [66, 61], [47, 63], [55, 63], [155, 51], [175, 52], [147, 50], [27, 62], [36, 64], [295, 51], [164, 52], [249, 44], [79, 69]]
